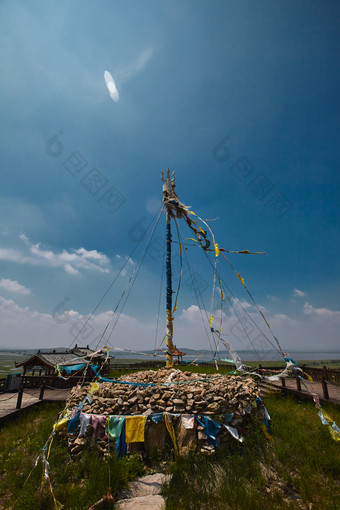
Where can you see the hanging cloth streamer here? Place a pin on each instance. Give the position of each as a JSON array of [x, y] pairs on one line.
[[211, 428], [171, 430], [105, 379], [115, 429], [332, 426], [134, 429], [72, 368], [240, 277]]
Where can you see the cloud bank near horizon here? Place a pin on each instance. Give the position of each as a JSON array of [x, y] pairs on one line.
[[23, 327]]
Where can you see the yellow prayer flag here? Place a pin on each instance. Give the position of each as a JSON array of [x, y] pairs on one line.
[[326, 415], [171, 430], [240, 277], [265, 431], [310, 379], [61, 424], [134, 429], [333, 433], [94, 387]]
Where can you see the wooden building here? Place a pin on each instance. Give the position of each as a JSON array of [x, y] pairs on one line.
[[69, 360], [179, 355]]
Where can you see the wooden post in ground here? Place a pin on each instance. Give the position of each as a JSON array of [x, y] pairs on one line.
[[283, 382], [42, 389], [324, 368], [21, 391], [298, 383], [324, 388]]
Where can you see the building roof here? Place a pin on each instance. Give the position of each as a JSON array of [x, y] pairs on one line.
[[52, 358], [176, 352]]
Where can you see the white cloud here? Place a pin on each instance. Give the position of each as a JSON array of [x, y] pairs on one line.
[[282, 317], [23, 327], [191, 314], [322, 313], [298, 293], [71, 270], [71, 261], [238, 303], [271, 298], [13, 286], [315, 329], [12, 255], [263, 309]]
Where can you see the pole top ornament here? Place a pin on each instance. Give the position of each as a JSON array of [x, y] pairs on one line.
[[169, 182]]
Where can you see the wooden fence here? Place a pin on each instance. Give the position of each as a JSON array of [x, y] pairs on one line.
[[317, 374], [52, 381]]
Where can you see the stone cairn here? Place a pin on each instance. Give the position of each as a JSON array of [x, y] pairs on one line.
[[173, 391]]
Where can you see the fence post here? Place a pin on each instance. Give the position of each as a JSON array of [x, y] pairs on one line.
[[21, 391], [324, 388], [298, 383], [283, 382], [42, 389], [325, 372]]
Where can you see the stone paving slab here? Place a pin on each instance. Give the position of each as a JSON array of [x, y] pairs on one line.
[[155, 502], [144, 493], [146, 486]]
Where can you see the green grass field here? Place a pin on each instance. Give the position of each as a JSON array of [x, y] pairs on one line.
[[7, 365]]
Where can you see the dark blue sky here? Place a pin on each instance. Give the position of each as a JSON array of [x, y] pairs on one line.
[[239, 97]]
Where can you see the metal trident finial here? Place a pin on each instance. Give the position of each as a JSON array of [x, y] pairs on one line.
[[169, 183]]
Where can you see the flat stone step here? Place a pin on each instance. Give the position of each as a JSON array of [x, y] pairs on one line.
[[144, 493], [148, 485], [154, 502]]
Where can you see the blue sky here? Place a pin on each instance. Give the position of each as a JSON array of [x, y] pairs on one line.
[[240, 98]]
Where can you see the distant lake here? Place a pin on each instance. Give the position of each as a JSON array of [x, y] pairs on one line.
[[244, 355]]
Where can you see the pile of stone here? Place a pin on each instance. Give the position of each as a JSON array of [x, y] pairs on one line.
[[174, 391]]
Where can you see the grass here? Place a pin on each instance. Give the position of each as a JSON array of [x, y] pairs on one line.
[[7, 365], [77, 483], [298, 468]]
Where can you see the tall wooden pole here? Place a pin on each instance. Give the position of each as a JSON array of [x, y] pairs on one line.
[[168, 186]]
